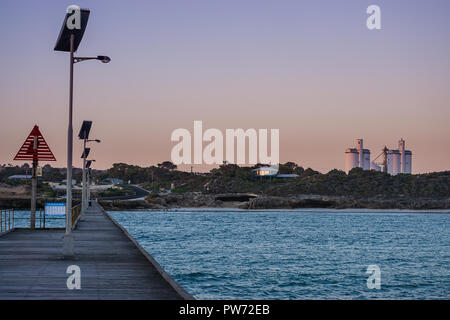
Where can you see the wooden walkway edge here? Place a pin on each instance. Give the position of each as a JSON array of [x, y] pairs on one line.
[[113, 265]]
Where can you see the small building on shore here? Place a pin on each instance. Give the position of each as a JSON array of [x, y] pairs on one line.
[[271, 172], [265, 172]]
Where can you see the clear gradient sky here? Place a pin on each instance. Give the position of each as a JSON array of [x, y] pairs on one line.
[[310, 68]]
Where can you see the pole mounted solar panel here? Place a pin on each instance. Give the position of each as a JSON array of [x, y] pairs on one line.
[[85, 153], [63, 42], [85, 129]]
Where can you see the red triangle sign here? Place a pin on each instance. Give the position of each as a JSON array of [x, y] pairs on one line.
[[41, 153]]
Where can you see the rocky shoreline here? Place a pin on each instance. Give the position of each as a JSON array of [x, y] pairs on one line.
[[199, 200], [248, 201]]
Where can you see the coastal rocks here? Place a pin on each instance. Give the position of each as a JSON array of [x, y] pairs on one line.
[[188, 199], [127, 205], [197, 200], [289, 203]]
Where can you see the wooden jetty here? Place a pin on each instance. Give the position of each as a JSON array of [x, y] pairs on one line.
[[113, 265]]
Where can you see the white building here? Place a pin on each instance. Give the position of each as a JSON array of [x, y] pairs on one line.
[[399, 161], [357, 157], [396, 161], [272, 173], [265, 171]]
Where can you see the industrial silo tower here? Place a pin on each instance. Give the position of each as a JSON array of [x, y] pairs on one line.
[[357, 157], [406, 157], [395, 161], [351, 159]]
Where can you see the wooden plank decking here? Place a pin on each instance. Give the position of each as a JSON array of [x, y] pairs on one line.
[[112, 264]]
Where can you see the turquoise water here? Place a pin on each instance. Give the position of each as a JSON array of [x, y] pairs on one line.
[[236, 254], [22, 220]]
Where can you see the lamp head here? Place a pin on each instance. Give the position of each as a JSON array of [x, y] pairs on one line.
[[104, 59]]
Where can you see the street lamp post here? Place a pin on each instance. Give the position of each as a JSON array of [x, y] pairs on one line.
[[84, 190], [84, 135], [68, 246], [85, 173], [89, 176], [68, 41], [89, 186]]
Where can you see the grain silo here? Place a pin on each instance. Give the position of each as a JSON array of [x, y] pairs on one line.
[[357, 157], [408, 162], [393, 162], [366, 159], [351, 159], [360, 148]]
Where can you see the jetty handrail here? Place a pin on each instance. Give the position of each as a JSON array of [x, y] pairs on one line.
[[41, 220], [6, 220], [76, 211]]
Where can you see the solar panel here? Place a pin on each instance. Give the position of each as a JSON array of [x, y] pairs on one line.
[[85, 153], [63, 42], [85, 129]]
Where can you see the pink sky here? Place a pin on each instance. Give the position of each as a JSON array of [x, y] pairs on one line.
[[318, 75]]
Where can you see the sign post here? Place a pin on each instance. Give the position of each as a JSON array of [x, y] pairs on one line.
[[35, 149], [34, 184]]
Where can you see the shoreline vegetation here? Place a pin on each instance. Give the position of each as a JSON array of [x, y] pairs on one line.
[[231, 186]]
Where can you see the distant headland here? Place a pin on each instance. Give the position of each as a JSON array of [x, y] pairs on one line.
[[162, 186]]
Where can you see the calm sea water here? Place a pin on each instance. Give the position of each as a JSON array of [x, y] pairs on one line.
[[22, 220], [232, 254]]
